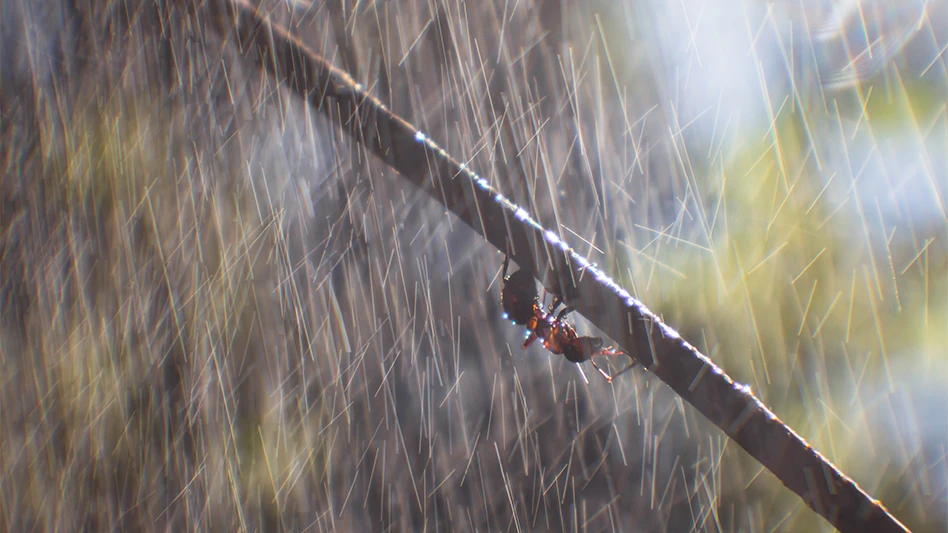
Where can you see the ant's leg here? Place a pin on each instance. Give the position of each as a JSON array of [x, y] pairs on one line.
[[506, 258], [556, 303], [532, 337], [564, 312], [601, 371], [611, 351], [627, 368]]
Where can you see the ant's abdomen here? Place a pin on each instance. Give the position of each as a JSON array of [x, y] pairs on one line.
[[518, 297]]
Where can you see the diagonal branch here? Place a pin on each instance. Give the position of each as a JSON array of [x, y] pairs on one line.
[[729, 405]]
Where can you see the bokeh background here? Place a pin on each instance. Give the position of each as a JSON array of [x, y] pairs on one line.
[[219, 314]]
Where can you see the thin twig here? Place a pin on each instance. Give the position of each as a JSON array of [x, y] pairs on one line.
[[729, 405]]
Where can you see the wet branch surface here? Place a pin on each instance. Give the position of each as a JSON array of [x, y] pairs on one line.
[[729, 405]]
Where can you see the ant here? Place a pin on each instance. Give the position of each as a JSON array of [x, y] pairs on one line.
[[521, 303]]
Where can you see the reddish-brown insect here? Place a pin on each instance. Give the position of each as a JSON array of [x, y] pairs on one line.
[[521, 303]]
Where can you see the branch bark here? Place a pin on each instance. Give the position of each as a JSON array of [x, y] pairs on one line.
[[729, 405]]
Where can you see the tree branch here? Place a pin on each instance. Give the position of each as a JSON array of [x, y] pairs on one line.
[[729, 405]]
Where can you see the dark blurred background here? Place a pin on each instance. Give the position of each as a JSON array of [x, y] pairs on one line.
[[219, 314]]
